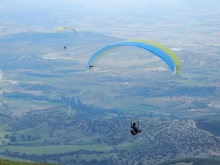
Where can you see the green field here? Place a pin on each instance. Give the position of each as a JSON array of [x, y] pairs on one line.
[[40, 150]]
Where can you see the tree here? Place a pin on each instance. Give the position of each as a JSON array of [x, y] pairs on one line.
[[13, 138], [29, 137], [6, 136]]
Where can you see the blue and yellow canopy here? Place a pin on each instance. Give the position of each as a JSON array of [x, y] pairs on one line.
[[167, 55]]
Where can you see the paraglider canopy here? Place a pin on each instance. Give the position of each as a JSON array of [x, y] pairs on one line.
[[163, 52], [64, 27]]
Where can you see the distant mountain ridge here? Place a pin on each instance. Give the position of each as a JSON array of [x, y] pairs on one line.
[[67, 38]]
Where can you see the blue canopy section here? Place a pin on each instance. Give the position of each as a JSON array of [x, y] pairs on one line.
[[153, 49]]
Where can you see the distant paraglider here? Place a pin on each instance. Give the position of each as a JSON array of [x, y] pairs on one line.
[[167, 55], [64, 27]]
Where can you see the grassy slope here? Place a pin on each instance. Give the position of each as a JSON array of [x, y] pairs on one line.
[[8, 162]]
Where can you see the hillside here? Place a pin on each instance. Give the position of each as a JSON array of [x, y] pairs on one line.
[[192, 161], [9, 162]]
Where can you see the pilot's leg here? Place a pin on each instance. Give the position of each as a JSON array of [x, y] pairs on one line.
[[133, 133]]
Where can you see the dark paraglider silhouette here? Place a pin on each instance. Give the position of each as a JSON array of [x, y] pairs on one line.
[[135, 129]]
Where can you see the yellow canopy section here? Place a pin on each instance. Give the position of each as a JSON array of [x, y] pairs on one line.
[[163, 48]]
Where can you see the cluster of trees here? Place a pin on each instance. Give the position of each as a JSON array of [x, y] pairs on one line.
[[12, 138], [29, 137], [195, 161], [85, 111], [192, 91]]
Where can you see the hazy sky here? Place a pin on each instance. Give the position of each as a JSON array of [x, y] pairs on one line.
[[101, 15]]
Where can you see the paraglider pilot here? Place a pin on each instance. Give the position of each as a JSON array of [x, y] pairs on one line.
[[134, 129]]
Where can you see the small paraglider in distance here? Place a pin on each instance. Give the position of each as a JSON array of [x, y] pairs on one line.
[[91, 66], [135, 129], [64, 27]]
